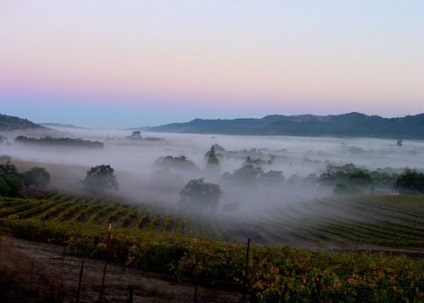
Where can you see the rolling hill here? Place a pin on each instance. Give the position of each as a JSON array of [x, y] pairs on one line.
[[8, 123], [345, 125]]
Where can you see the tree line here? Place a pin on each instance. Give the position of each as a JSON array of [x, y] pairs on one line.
[[60, 141]]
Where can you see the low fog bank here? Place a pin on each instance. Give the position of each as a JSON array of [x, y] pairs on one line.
[[256, 175]]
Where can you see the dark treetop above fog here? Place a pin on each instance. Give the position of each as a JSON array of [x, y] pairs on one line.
[[349, 125], [14, 123]]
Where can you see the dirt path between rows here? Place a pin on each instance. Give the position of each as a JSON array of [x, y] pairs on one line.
[[46, 264]]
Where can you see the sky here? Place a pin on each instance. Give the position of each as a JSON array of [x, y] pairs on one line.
[[119, 64]]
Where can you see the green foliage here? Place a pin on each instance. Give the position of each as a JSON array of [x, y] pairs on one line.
[[384, 178], [178, 164], [248, 174], [211, 261], [100, 178], [252, 174], [14, 123], [411, 181], [273, 177], [69, 142], [347, 179], [275, 274], [286, 275], [212, 157], [212, 163], [136, 135], [5, 158], [199, 195], [11, 181], [37, 178]]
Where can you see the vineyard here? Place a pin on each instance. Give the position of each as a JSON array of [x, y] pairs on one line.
[[388, 221], [195, 248], [74, 210]]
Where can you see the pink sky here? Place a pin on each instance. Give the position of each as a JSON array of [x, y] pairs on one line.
[[211, 59]]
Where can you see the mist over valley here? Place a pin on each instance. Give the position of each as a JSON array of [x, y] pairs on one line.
[[269, 185]]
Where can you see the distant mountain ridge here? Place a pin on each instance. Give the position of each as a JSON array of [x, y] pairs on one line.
[[345, 125], [8, 123]]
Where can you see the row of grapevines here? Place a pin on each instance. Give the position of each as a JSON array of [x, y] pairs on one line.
[[276, 274]]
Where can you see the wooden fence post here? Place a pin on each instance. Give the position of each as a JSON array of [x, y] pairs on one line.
[[246, 271], [80, 280], [130, 294], [106, 261]]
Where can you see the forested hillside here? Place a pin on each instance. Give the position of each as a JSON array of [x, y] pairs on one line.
[[14, 123], [349, 125]]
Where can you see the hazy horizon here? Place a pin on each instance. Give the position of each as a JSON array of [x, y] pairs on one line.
[[146, 63], [59, 125]]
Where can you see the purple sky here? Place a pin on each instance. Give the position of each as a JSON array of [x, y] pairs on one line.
[[137, 63]]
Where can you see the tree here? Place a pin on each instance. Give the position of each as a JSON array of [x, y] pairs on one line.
[[180, 163], [411, 182], [5, 158], [11, 181], [211, 156], [212, 164], [348, 179], [273, 177], [37, 178], [247, 175], [199, 195], [100, 178], [136, 135]]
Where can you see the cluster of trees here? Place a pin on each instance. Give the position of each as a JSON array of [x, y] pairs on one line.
[[13, 183], [349, 179], [411, 182], [100, 178], [250, 175], [60, 141], [345, 180], [181, 163], [136, 136], [199, 195]]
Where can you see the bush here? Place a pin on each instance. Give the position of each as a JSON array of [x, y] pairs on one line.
[[11, 182], [411, 182]]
